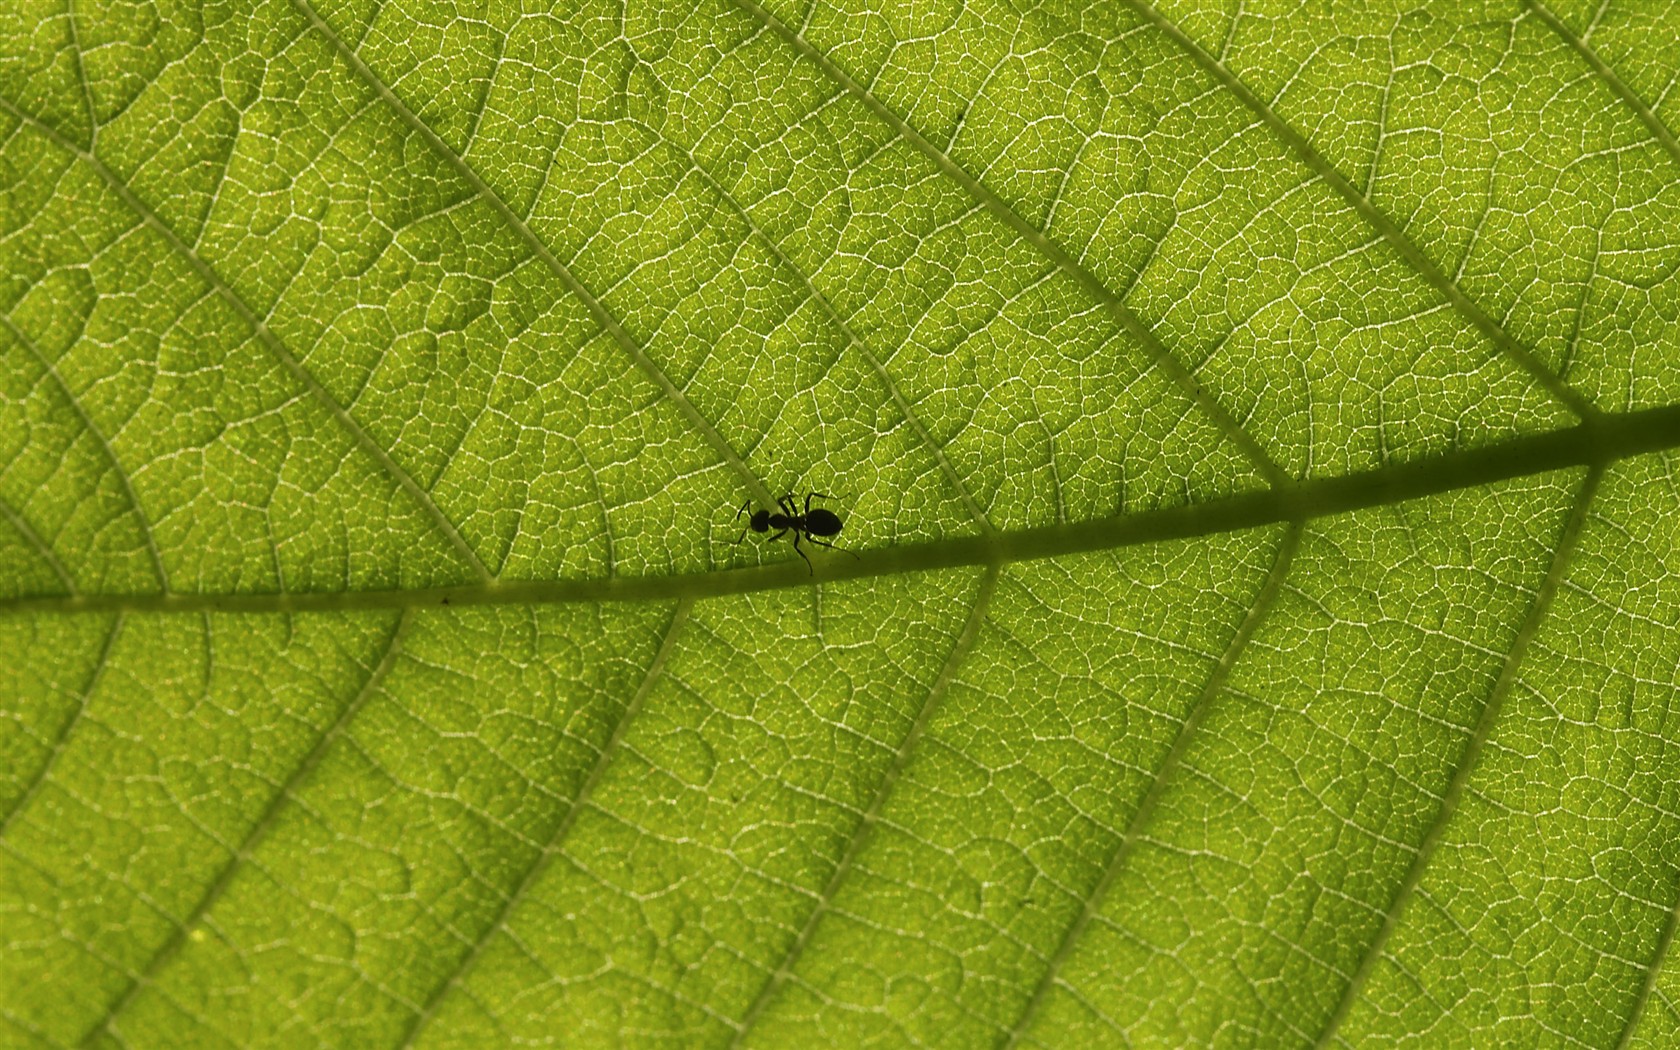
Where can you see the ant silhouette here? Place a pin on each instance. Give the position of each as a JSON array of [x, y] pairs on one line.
[[789, 517]]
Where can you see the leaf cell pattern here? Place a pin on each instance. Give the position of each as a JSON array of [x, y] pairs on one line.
[[1256, 429]]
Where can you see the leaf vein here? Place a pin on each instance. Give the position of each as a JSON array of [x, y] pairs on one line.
[[104, 444], [1468, 758], [862, 829], [1157, 352], [1579, 45], [64, 731], [592, 304], [545, 856], [263, 333], [21, 525], [1264, 601], [875, 363], [1375, 217], [81, 74], [265, 822], [1614, 437]]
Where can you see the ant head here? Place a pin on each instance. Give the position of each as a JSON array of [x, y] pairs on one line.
[[758, 520]]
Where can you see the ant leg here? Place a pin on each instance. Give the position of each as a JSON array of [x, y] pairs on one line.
[[738, 514], [808, 566], [832, 547], [809, 496]]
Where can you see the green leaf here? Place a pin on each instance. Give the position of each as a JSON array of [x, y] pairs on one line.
[[1255, 433]]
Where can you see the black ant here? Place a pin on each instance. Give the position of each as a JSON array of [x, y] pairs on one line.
[[788, 518]]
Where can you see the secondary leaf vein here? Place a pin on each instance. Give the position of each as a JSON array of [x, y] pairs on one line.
[[259, 830], [1158, 354], [1378, 219], [104, 444], [22, 527], [1645, 113], [1648, 989], [596, 309], [544, 857], [866, 822], [1264, 601], [880, 369], [1469, 757], [263, 333], [67, 728]]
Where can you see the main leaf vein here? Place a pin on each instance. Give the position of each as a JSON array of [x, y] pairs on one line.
[[1611, 438]]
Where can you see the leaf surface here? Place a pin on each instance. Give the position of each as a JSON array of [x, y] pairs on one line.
[[1255, 433]]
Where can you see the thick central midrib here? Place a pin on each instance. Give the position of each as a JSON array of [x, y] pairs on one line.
[[1610, 438]]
